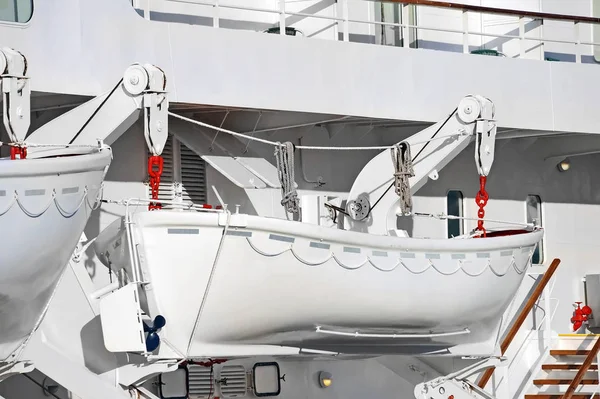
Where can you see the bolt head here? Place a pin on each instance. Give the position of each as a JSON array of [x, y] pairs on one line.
[[468, 110], [134, 80]]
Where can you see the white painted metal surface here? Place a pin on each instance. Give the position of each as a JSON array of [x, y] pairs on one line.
[[298, 280], [555, 97], [44, 205], [423, 26], [122, 320], [263, 169], [79, 380], [235, 171]]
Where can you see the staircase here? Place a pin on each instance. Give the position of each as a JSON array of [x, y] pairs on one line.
[[562, 365]]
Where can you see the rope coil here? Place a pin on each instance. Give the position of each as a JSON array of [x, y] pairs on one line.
[[284, 158], [403, 170]]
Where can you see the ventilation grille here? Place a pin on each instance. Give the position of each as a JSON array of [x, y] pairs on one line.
[[193, 176], [200, 382], [232, 381]]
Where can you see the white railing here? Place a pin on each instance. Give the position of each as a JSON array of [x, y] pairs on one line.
[[342, 16], [541, 330]]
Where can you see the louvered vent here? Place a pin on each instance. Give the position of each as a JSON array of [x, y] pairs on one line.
[[232, 381], [200, 382], [193, 176]]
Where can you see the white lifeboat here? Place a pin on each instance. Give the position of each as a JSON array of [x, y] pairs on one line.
[[44, 206], [209, 283], [226, 280]]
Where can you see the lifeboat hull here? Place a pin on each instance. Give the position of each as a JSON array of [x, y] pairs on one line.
[[44, 207], [228, 280]]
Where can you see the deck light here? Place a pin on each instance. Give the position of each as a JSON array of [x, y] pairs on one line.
[[325, 379], [564, 165]]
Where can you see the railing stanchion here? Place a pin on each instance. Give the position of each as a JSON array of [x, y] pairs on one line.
[[548, 318], [405, 23], [522, 37], [282, 17], [465, 24], [577, 42], [346, 22], [216, 14]]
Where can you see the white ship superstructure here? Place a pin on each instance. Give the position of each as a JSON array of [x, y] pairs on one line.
[[299, 199]]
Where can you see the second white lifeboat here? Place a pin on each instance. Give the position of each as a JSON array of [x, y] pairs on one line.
[[44, 206]]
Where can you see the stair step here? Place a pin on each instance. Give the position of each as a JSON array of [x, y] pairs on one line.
[[569, 352], [558, 396], [563, 366], [561, 381]]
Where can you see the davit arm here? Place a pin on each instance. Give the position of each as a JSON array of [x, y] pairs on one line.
[[109, 115], [373, 204]]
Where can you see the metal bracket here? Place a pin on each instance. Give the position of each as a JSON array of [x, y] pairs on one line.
[[16, 94], [485, 137], [456, 384], [359, 208], [150, 81], [10, 369]]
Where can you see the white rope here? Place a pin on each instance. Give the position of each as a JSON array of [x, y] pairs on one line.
[[35, 215], [403, 170], [53, 199], [220, 129], [10, 205], [67, 214], [307, 147], [98, 200], [317, 148], [284, 159], [34, 145], [443, 216], [383, 147]]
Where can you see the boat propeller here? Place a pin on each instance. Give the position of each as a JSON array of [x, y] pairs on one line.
[[152, 337]]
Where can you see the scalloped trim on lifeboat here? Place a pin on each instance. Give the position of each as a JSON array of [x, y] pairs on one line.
[[315, 253], [16, 199]]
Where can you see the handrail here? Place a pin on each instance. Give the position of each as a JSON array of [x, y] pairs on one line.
[[341, 21], [494, 10], [584, 368], [521, 319]]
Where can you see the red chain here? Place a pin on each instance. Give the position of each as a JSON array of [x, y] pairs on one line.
[[155, 169], [20, 151], [481, 200]]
